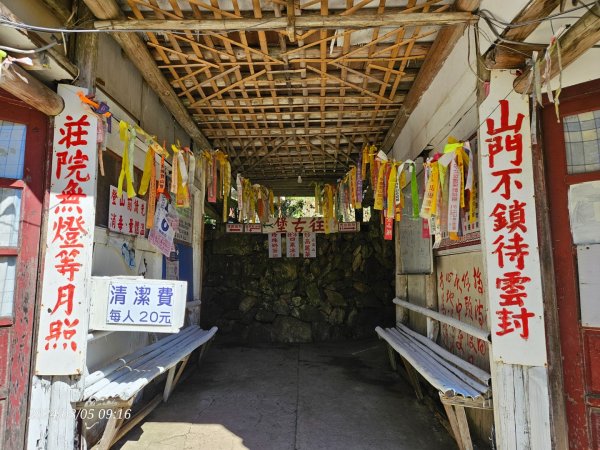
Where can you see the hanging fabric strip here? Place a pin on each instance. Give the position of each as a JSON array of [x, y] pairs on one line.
[[162, 180], [372, 166], [183, 172], [212, 179], [391, 191], [380, 182], [461, 161], [226, 186], [454, 201], [414, 190], [191, 166], [386, 177], [128, 136], [398, 198], [174, 170], [359, 181], [151, 208], [472, 203], [148, 165], [240, 197], [436, 184]]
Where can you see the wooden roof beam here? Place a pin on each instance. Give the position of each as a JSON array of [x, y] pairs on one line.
[[579, 38], [140, 56], [358, 20], [504, 55], [444, 42]]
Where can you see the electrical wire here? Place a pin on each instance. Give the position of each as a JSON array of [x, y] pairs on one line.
[[29, 52], [534, 21], [484, 13]]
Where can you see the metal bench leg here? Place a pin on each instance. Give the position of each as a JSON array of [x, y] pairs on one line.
[[392, 355], [413, 377], [460, 426]]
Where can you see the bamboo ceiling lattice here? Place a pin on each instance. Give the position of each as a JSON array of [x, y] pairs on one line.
[[280, 99]]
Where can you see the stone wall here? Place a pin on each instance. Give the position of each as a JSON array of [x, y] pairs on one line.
[[343, 293]]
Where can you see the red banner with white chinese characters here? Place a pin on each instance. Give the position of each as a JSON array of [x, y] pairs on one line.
[[509, 224], [62, 336]]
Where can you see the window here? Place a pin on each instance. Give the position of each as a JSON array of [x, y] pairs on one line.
[[12, 149], [582, 142]]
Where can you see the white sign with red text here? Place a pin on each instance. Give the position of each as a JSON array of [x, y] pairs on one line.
[[510, 242], [292, 247], [274, 245], [309, 245], [67, 266], [234, 228], [126, 215]]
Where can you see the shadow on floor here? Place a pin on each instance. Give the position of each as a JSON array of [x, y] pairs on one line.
[[306, 397]]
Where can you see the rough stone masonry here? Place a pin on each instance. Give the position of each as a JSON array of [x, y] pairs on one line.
[[343, 293]]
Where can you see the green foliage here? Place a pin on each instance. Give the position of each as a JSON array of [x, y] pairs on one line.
[[292, 207]]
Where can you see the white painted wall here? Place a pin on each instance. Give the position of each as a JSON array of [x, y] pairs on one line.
[[448, 106]]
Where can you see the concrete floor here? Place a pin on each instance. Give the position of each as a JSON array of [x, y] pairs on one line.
[[306, 397]]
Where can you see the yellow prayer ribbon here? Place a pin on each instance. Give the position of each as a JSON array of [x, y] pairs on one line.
[[380, 184], [391, 191], [127, 136]]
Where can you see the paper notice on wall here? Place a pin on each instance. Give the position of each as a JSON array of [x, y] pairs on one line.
[[274, 245], [584, 212], [185, 230], [292, 250], [165, 225], [171, 269], [309, 245], [126, 215]]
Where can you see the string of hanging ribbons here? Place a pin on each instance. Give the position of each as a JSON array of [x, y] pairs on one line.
[[448, 194]]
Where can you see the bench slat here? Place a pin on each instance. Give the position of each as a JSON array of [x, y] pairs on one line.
[[124, 382], [117, 364], [450, 381], [483, 376], [461, 373], [431, 369], [115, 375]]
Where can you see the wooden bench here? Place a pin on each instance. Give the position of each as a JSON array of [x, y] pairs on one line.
[[114, 387], [460, 384]]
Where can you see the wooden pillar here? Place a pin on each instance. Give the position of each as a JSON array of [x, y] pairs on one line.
[[86, 51], [401, 279], [58, 430]]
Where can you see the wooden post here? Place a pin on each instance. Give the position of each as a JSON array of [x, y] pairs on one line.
[[558, 417], [140, 56], [401, 279]]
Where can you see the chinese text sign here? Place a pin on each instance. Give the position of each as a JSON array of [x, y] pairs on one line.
[[62, 337], [510, 232], [136, 302], [461, 295], [126, 215]]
